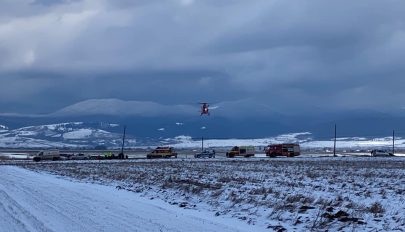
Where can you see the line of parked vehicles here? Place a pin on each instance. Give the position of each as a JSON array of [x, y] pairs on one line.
[[285, 149], [289, 150], [55, 155]]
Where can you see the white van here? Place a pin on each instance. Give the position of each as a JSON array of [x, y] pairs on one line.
[[47, 155]]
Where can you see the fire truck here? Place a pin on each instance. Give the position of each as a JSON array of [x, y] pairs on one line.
[[247, 151], [162, 152], [285, 149]]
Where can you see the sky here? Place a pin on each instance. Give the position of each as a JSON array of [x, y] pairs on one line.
[[280, 56]]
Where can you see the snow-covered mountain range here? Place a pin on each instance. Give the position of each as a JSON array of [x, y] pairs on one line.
[[69, 135], [109, 135]]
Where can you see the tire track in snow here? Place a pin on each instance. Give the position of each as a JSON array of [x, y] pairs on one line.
[[50, 203], [43, 202], [19, 215]]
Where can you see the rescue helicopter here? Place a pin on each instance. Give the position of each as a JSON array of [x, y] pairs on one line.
[[204, 108]]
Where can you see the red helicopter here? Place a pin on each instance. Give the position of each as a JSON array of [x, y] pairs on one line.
[[204, 108]]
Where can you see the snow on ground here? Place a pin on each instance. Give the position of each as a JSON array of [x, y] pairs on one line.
[[297, 194], [303, 138], [31, 201], [183, 141], [86, 133], [52, 127], [3, 128], [355, 143], [72, 134], [15, 155], [18, 142], [78, 134]]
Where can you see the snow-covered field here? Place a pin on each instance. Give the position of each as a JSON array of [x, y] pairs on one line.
[[297, 194], [32, 201], [304, 139]]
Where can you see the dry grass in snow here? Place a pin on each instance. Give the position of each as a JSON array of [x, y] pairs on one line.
[[280, 194]]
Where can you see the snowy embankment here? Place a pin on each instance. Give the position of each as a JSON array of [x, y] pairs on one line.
[[304, 139], [31, 201], [297, 194]]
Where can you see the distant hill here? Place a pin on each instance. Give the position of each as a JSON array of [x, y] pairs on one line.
[[101, 130]]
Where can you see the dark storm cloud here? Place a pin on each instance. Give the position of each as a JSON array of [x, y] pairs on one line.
[[267, 53], [68, 88], [49, 2]]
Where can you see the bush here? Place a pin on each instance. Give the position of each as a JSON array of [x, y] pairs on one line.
[[376, 208]]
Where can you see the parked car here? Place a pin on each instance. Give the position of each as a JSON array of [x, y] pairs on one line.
[[80, 157], [380, 153], [205, 154]]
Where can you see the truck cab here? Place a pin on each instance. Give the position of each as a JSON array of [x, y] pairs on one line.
[[162, 152], [244, 151]]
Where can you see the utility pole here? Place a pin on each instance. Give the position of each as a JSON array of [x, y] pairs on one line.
[[393, 142], [123, 142], [202, 144], [334, 144]]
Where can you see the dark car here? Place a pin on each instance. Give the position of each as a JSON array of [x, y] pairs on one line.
[[205, 154], [380, 153]]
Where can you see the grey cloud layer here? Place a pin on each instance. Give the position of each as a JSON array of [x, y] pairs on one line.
[[309, 54]]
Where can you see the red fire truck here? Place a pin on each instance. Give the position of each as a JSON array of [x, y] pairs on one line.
[[285, 149]]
